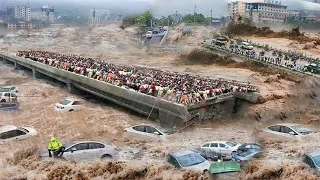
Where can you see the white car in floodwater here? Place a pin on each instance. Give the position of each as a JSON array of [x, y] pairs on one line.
[[68, 105], [289, 130], [246, 45], [222, 147], [144, 132], [10, 133]]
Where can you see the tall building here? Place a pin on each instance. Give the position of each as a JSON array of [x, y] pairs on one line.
[[10, 12], [94, 19], [236, 9], [269, 11], [20, 13]]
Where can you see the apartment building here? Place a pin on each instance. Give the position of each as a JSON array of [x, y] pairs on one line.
[[236, 9], [269, 11], [22, 13]]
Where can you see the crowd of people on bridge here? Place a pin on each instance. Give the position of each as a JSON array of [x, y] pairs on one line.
[[172, 86]]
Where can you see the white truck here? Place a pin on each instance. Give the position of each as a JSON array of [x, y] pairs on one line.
[[8, 97]]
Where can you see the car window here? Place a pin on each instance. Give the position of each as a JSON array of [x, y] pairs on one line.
[[65, 102], [248, 146], [256, 147], [231, 144], [81, 146], [13, 95], [152, 130], [140, 128], [309, 161], [95, 145], [173, 161], [12, 88], [206, 145], [222, 145], [6, 94], [214, 145], [11, 134], [285, 129], [258, 155], [275, 128], [316, 159], [76, 103], [190, 159]]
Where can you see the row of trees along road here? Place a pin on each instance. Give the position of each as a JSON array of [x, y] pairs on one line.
[[147, 18]]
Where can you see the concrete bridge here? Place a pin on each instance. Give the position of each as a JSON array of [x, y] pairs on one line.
[[169, 113]]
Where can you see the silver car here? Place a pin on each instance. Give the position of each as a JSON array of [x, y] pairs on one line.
[[189, 160], [288, 130], [89, 150]]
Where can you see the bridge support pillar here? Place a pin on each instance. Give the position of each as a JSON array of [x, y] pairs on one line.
[[71, 88], [35, 74]]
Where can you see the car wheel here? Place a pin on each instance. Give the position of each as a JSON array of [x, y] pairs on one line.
[[3, 100], [71, 110], [106, 157]]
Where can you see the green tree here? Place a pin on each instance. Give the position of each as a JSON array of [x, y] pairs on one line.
[[144, 19], [197, 18]]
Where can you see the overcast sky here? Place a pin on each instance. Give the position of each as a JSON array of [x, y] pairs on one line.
[[159, 7]]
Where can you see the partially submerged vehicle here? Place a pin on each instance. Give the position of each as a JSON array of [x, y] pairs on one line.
[[224, 167], [10, 133], [243, 157], [68, 105], [8, 97], [9, 106], [225, 148], [87, 150], [187, 159], [208, 155], [289, 130], [146, 132], [11, 89], [246, 45]]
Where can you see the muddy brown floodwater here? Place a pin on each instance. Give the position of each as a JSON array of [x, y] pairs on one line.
[[104, 121]]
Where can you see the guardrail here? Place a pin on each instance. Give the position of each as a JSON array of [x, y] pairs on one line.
[[218, 48]]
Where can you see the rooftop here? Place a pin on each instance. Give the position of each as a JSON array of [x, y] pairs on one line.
[[263, 3]]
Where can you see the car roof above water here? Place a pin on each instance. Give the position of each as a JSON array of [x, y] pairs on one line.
[[181, 153], [7, 128], [313, 153], [287, 124]]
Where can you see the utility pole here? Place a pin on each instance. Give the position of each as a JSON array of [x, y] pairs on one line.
[[168, 21], [211, 18], [194, 14], [177, 17]]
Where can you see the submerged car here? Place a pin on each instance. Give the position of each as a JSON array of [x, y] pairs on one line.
[[224, 167], [8, 97], [11, 89], [288, 130], [10, 132], [208, 155], [222, 147], [249, 147], [144, 132], [243, 157], [312, 159], [68, 105], [189, 160], [87, 150]]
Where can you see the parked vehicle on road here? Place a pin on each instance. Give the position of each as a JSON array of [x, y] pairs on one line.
[[10, 132], [8, 97], [88, 150], [249, 147], [312, 159], [243, 157], [144, 132], [222, 147], [288, 130], [149, 34], [246, 45], [189, 160], [68, 105], [11, 89]]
